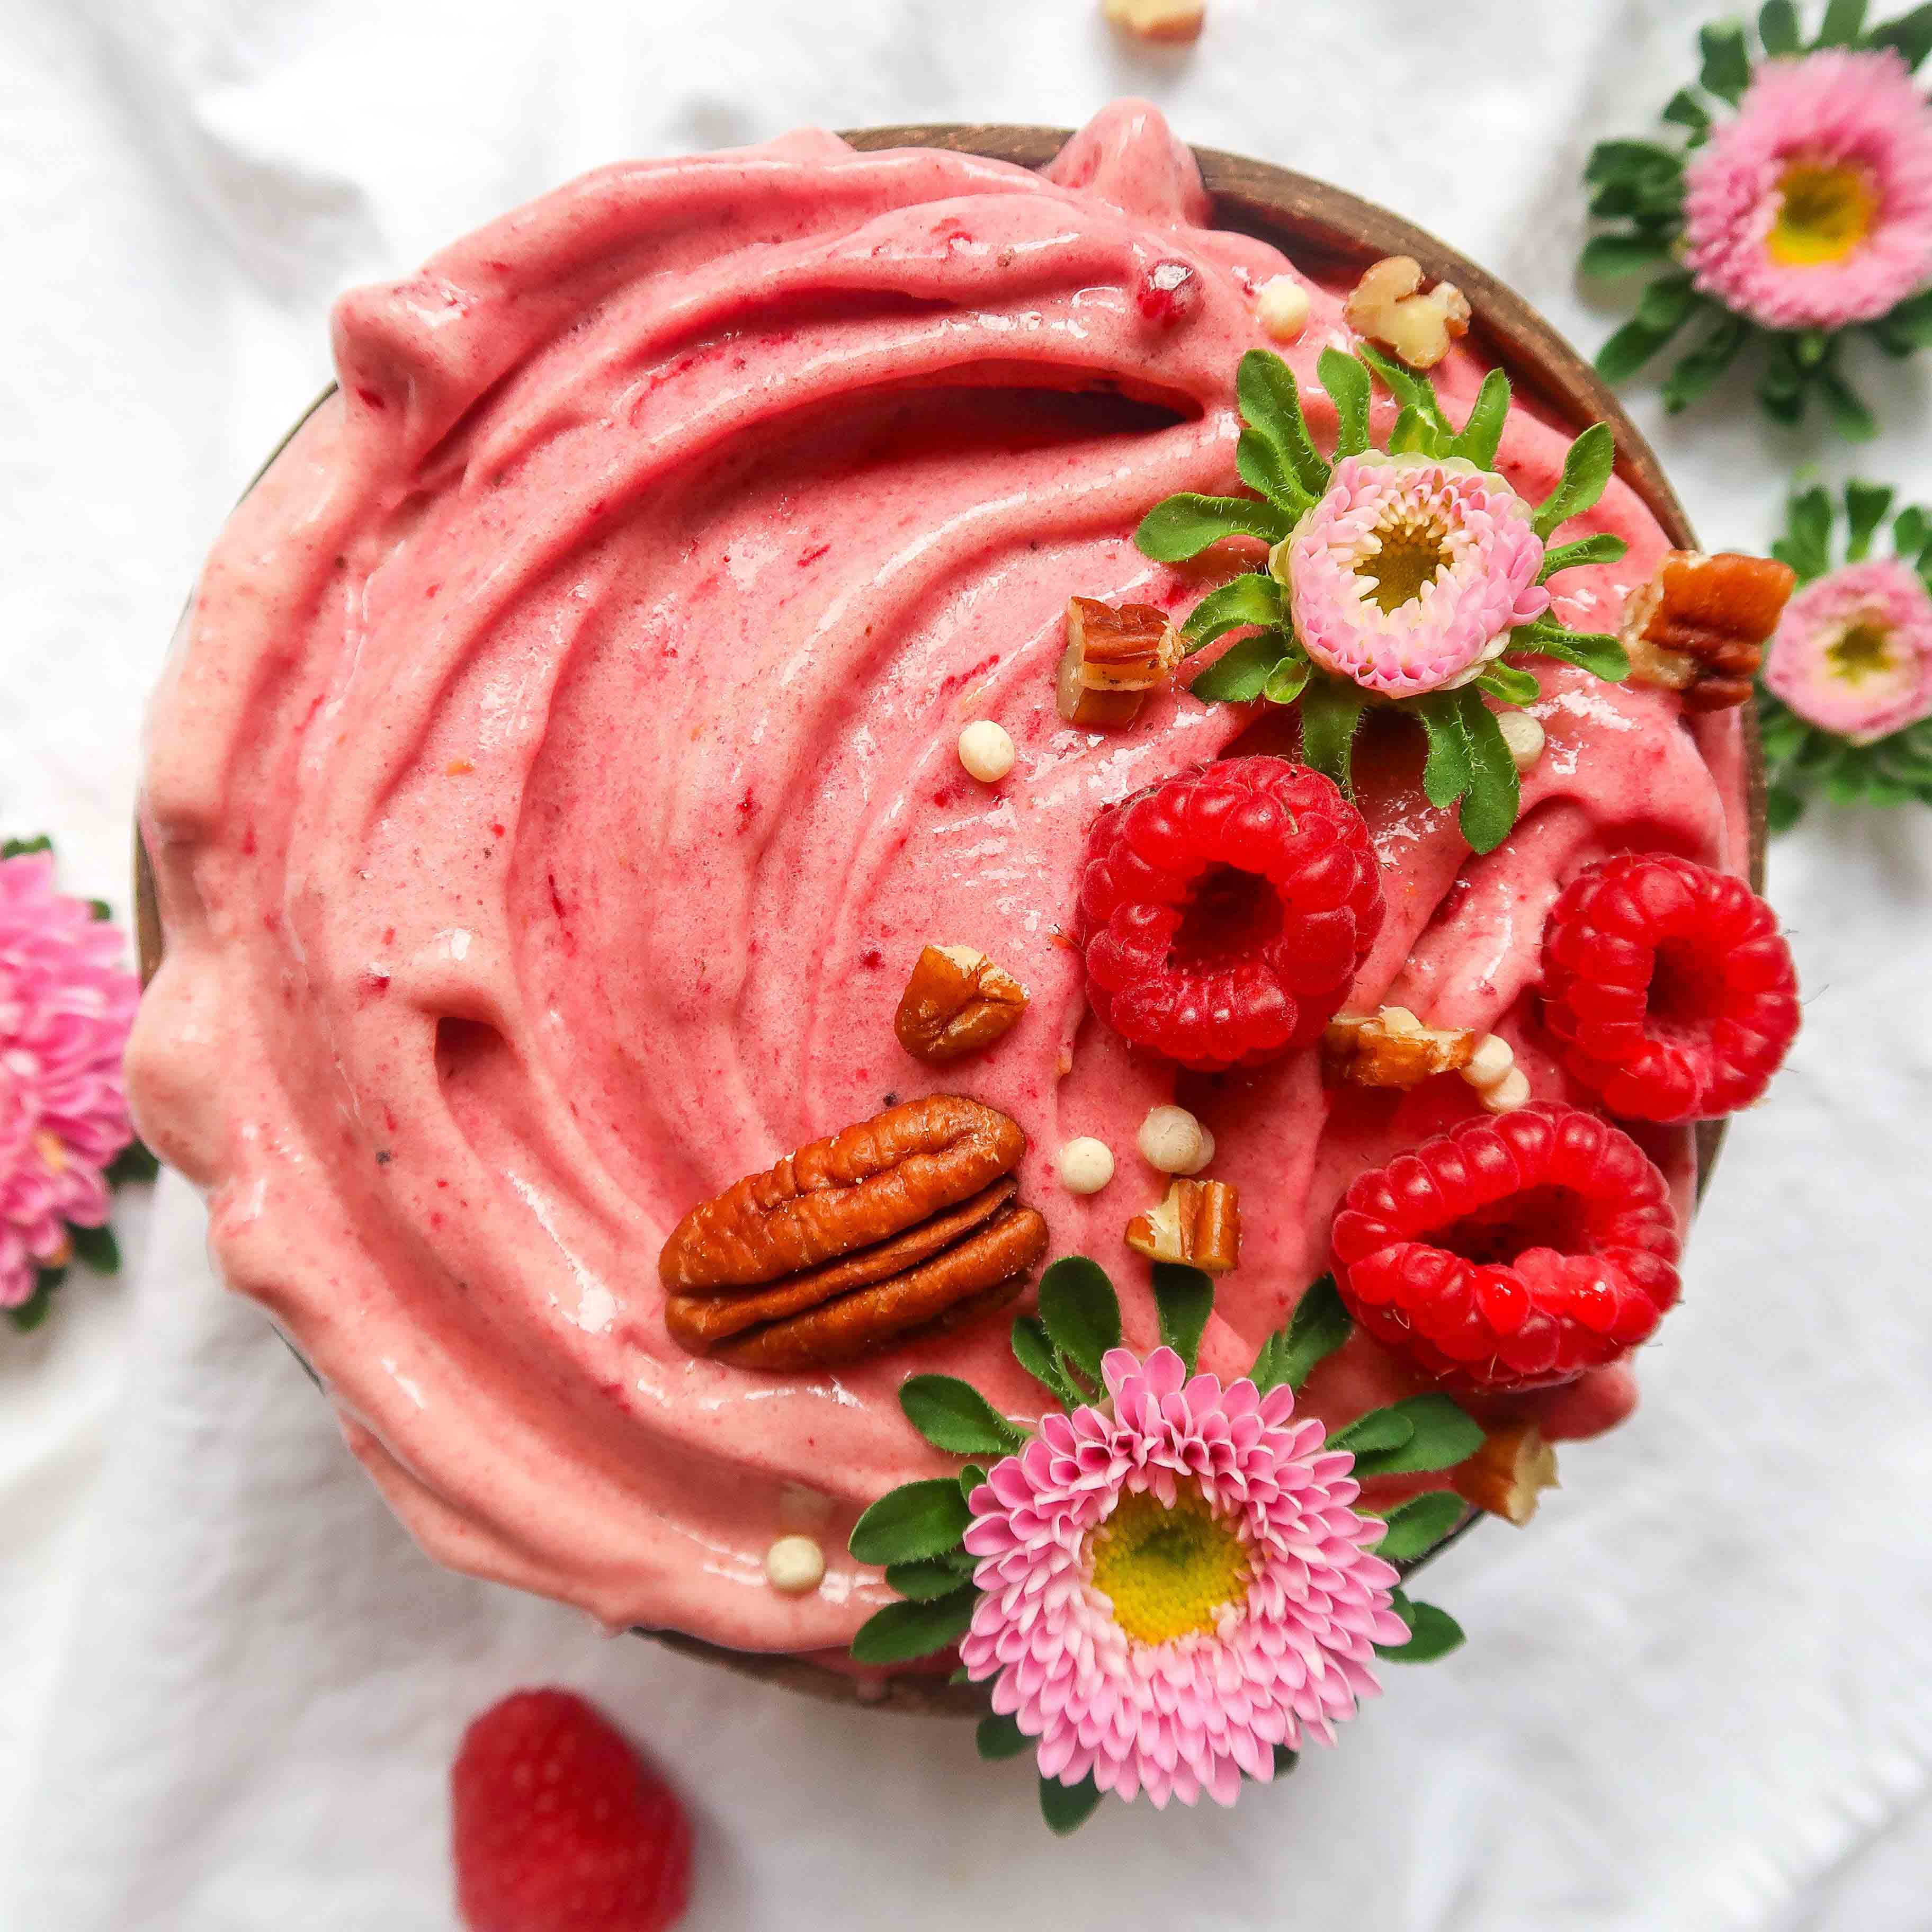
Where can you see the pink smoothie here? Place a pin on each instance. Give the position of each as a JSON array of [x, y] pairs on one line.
[[555, 782]]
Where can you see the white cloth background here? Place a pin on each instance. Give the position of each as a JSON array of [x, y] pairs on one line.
[[1696, 1696]]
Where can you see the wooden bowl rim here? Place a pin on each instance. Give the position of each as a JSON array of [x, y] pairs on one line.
[[1320, 224]]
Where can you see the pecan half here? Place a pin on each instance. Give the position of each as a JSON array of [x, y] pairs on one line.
[[956, 1001], [1392, 1048], [1387, 306], [1508, 1475], [1700, 624], [1199, 1222], [1114, 658], [906, 1221]]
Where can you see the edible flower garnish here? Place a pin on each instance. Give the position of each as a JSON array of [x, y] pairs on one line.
[[1170, 1582], [1797, 208], [1845, 704], [1414, 577]]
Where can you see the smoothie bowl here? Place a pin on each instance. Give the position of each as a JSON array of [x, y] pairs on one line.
[[684, 869]]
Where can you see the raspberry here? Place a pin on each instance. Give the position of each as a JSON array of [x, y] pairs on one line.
[[1224, 911], [1669, 986], [560, 1828], [1511, 1252]]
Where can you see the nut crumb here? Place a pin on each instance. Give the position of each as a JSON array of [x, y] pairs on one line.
[[1114, 658], [1392, 1048], [1700, 626], [1388, 307], [1509, 1473], [956, 1001], [1169, 20], [1198, 1223]]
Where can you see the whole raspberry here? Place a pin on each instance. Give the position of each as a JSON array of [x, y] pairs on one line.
[[1512, 1252], [560, 1828], [1670, 987], [1224, 911]]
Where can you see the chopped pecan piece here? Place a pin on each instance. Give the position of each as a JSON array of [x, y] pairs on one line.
[[1387, 306], [1700, 624], [1114, 658], [1510, 1471], [957, 1000], [1199, 1222], [909, 1220], [1392, 1048], [1157, 20]]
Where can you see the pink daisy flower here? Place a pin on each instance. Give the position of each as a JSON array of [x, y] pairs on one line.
[[1411, 572], [1852, 653], [1812, 207], [1174, 1584], [66, 1004]]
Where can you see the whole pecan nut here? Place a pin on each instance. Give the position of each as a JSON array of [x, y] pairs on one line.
[[1699, 626], [906, 1220], [956, 1001]]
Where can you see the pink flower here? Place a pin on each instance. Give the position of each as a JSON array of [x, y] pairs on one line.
[[1411, 572], [1812, 207], [66, 1004], [1175, 1587], [1852, 653]]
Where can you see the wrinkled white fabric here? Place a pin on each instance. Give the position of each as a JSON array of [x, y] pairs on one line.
[[1695, 1696]]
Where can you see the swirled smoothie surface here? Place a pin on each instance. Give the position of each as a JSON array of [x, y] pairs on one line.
[[555, 782]]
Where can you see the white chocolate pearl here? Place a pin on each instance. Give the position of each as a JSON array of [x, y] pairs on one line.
[[1283, 307], [795, 1565], [1086, 1164], [1523, 735], [1510, 1093], [1172, 1140], [986, 751], [1493, 1060]]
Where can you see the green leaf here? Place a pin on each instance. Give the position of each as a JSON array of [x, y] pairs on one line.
[[1034, 1354], [1254, 598], [1626, 160], [1667, 303], [1807, 545], [1629, 349], [1778, 27], [1911, 35], [1843, 22], [1184, 526], [1866, 505], [1586, 473], [1685, 110], [1331, 708], [1601, 548], [1783, 805], [1319, 1326], [1263, 467], [1443, 1435], [914, 1521], [1449, 770], [20, 848], [1845, 409], [1411, 435], [100, 909], [925, 1582], [998, 1739], [1433, 1633], [1347, 382], [1184, 1298], [902, 1631], [1386, 1429], [1270, 402], [1482, 434], [29, 1314], [1288, 679], [1911, 530], [97, 1248], [1420, 1524], [1727, 68], [1081, 1312], [971, 1478], [1495, 796], [1510, 684], [954, 1416], [135, 1162], [1066, 1808], [1610, 257], [1414, 391], [1913, 320], [1242, 671], [1696, 374], [1595, 651]]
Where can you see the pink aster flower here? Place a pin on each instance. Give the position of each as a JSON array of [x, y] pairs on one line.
[[66, 1004], [1852, 653], [1812, 207], [1410, 574], [1175, 1583]]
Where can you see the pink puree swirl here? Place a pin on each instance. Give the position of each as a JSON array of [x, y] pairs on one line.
[[555, 782]]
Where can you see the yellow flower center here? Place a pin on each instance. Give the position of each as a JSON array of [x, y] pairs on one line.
[[1413, 549], [1167, 1572], [1826, 211], [1863, 651]]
